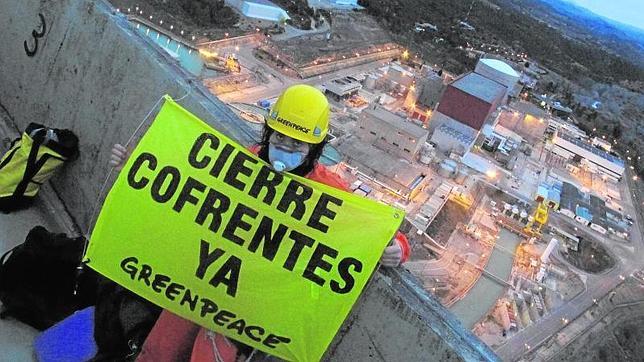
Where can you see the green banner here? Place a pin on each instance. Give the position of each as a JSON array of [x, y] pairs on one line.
[[200, 226]]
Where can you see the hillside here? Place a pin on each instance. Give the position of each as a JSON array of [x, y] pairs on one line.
[[584, 63], [508, 24], [581, 24]]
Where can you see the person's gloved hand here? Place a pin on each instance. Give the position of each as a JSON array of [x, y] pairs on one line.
[[118, 155], [392, 255]]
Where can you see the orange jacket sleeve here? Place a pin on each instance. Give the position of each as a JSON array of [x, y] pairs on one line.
[[401, 239]]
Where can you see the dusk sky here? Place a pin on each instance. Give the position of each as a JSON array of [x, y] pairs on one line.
[[625, 11]]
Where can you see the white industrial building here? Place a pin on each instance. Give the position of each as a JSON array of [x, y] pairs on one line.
[[259, 9], [391, 132], [396, 74], [449, 137], [597, 160], [342, 88], [481, 164]]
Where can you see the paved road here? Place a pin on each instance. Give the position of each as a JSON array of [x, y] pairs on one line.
[[629, 260]]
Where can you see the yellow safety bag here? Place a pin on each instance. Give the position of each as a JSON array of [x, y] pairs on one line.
[[32, 159]]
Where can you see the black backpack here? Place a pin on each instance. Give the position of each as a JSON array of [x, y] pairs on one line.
[[122, 322], [40, 283]]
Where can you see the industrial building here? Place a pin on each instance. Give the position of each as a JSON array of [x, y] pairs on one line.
[[550, 195], [595, 159], [481, 164], [500, 72], [259, 9], [500, 138], [559, 110], [465, 107], [342, 88], [470, 99], [391, 132], [525, 119], [398, 75], [449, 138], [423, 98], [430, 89], [591, 210]]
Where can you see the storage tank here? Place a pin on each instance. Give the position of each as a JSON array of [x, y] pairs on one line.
[[498, 71]]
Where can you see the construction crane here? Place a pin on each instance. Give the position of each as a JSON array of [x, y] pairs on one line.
[[538, 219]]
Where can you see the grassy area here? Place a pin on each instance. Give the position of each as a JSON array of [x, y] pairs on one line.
[[630, 337]]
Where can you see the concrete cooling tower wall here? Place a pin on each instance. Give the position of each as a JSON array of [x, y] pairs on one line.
[[78, 64]]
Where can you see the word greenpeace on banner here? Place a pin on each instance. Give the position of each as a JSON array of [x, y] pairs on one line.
[[208, 152], [186, 298], [200, 226]]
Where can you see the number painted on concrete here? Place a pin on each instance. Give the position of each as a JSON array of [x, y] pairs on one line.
[[36, 35]]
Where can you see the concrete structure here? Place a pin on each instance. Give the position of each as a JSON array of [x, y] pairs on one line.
[[423, 98], [259, 9], [559, 110], [465, 106], [595, 159], [500, 138], [104, 92], [549, 249], [601, 143], [391, 132], [342, 88], [555, 124], [399, 75], [430, 89], [483, 165], [470, 99], [498, 71], [448, 138]]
